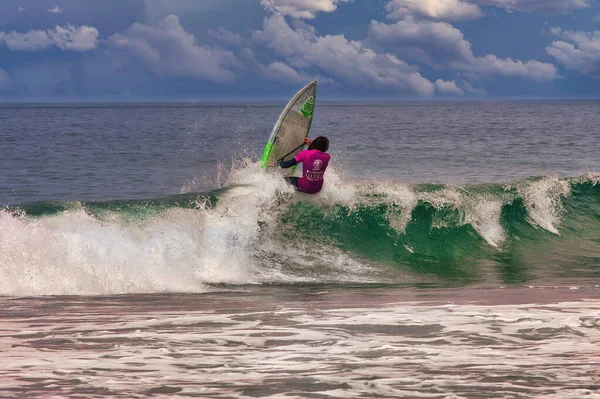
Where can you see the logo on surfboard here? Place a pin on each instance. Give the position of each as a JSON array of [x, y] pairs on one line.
[[307, 108]]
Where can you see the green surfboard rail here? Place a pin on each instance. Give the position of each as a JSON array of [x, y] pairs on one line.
[[266, 154]]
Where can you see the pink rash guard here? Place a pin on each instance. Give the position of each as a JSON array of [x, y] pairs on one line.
[[314, 163]]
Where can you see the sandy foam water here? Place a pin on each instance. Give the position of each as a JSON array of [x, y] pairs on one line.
[[306, 343]]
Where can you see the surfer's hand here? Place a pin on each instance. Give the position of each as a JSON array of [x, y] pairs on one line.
[[271, 164], [307, 141]]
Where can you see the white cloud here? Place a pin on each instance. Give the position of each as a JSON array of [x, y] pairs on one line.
[[441, 45], [577, 50], [283, 72], [169, 50], [532, 69], [432, 43], [76, 38], [55, 10], [20, 9], [301, 8], [280, 71], [156, 10], [5, 80], [551, 31], [226, 37], [456, 10], [448, 88], [339, 58], [451, 10], [470, 88], [553, 6]]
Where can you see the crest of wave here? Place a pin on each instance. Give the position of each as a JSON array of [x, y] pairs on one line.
[[482, 212], [542, 199]]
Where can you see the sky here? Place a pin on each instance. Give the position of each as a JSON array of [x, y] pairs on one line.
[[261, 49]]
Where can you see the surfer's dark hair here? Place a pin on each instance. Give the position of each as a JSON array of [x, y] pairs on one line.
[[321, 143]]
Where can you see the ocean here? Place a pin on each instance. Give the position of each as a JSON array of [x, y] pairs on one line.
[[454, 252]]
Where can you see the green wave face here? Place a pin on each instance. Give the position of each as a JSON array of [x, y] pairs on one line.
[[508, 234], [447, 252], [440, 241], [127, 210]]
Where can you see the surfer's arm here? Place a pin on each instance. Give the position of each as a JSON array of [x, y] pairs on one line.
[[290, 162], [287, 164]]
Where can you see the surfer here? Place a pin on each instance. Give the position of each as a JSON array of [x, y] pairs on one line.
[[314, 162]]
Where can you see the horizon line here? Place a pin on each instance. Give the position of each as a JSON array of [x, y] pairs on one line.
[[192, 101]]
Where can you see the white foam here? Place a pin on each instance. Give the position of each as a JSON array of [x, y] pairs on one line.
[[335, 191], [590, 177], [74, 253], [397, 195], [484, 215], [542, 199], [481, 211]]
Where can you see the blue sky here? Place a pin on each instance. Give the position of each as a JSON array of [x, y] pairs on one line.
[[261, 49]]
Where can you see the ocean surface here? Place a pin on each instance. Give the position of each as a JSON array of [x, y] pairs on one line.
[[454, 252]]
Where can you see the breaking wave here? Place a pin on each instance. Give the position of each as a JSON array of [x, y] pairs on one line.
[[257, 230]]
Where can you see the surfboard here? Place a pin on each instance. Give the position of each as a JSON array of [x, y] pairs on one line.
[[292, 127]]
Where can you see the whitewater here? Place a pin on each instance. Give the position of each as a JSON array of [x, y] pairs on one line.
[[454, 254]]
